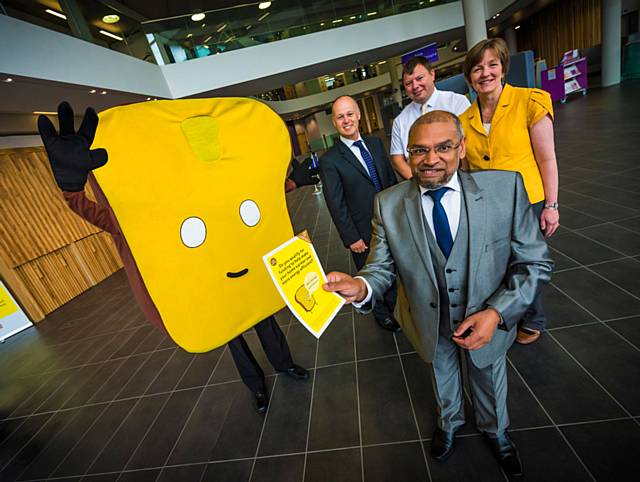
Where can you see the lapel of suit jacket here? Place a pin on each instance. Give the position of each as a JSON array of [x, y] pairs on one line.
[[353, 160], [477, 216], [413, 211], [503, 103]]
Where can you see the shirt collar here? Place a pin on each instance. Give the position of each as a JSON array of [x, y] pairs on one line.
[[431, 101], [348, 142], [453, 184]]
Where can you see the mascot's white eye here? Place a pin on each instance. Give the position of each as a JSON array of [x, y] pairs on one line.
[[193, 232], [250, 213]]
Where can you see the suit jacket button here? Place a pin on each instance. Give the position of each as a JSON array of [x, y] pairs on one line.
[[486, 158], [451, 290], [449, 270], [433, 305], [453, 305]]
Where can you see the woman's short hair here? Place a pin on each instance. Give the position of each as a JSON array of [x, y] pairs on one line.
[[474, 56]]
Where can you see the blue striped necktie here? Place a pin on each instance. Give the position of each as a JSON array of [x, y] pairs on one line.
[[441, 221], [368, 160]]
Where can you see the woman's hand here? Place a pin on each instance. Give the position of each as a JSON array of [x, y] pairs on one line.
[[549, 221]]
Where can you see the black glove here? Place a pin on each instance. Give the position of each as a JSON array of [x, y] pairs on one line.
[[303, 174], [69, 154]]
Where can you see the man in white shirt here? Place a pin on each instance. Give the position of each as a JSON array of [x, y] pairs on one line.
[[470, 256], [418, 78]]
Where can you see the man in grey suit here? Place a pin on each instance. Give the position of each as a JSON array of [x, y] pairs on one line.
[[468, 252]]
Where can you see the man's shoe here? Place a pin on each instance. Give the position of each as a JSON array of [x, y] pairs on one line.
[[505, 451], [526, 336], [297, 373], [389, 323], [442, 444], [261, 401]]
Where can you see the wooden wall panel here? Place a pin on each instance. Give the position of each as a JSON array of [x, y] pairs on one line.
[[48, 254], [562, 26], [34, 218]]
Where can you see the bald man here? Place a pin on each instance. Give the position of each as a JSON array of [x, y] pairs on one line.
[[353, 171]]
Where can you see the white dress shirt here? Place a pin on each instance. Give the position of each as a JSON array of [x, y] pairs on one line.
[[450, 202], [356, 152], [439, 100]]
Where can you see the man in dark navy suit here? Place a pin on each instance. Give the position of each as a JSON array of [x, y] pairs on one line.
[[353, 171]]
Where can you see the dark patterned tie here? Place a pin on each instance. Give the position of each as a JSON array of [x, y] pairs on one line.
[[368, 160], [441, 222]]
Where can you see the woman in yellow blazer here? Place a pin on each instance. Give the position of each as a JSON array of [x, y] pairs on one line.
[[511, 128]]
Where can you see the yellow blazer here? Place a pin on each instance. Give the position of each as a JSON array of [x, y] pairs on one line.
[[508, 145]]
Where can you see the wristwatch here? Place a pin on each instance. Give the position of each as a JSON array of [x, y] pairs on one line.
[[551, 206]]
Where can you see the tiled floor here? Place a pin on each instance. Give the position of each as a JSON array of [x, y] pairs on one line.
[[94, 393]]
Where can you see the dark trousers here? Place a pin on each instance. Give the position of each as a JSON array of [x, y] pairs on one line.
[[534, 316], [275, 346], [384, 307]]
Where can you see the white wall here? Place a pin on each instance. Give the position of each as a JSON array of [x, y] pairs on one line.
[[31, 51]]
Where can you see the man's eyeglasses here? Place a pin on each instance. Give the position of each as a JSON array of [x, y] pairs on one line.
[[441, 150]]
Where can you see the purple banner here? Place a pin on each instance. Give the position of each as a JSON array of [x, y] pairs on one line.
[[429, 51]]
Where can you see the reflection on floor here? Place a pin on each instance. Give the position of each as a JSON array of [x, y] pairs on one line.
[[95, 393]]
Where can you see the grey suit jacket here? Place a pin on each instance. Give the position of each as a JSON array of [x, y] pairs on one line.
[[508, 258]]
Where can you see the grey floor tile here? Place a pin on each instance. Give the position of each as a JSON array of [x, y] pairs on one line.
[[287, 419], [628, 328], [471, 460], [394, 463], [371, 340], [598, 296], [172, 372], [581, 249], [201, 369], [336, 343], [385, 409], [609, 450], [185, 473], [302, 345], [590, 345], [561, 311], [546, 456], [334, 416], [624, 273], [238, 471], [524, 409], [617, 238], [283, 469], [146, 374], [158, 442], [558, 376], [330, 466]]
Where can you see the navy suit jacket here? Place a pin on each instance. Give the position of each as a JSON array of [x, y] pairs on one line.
[[348, 189]]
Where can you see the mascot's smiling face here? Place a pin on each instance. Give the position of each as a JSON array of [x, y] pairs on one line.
[[197, 187]]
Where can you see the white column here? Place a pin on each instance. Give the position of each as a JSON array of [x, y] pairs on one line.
[[510, 38], [475, 23], [611, 42], [396, 83]]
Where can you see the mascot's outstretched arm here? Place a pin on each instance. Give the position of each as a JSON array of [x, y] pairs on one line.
[[193, 196]]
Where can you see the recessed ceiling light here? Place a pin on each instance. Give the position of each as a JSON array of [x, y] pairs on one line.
[[383, 62], [92, 91], [516, 27], [263, 16], [57, 14], [372, 13], [44, 112], [112, 18], [497, 14], [221, 28], [207, 39], [248, 27], [104, 92], [148, 98], [322, 24], [203, 25], [196, 17], [337, 20], [8, 79], [109, 34], [189, 35], [264, 5]]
